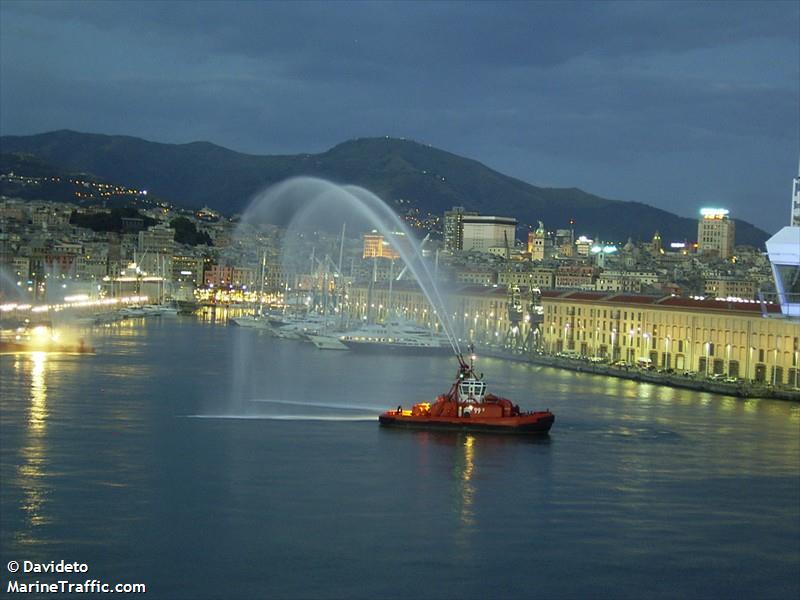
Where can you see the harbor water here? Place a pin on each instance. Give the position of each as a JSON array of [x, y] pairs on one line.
[[209, 461]]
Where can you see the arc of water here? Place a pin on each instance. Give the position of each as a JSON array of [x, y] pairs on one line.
[[431, 292], [370, 206]]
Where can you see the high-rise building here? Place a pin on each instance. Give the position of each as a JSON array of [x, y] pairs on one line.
[[454, 228], [484, 232], [715, 232]]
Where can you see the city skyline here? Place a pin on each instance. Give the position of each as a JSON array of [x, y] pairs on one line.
[[672, 105]]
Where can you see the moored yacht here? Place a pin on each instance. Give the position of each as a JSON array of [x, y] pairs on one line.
[[396, 336]]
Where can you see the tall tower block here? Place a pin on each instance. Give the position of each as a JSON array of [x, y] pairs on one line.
[[715, 232]]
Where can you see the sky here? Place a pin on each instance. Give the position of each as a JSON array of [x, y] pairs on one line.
[[678, 105]]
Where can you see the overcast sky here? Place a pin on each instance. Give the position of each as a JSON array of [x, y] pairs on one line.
[[674, 104]]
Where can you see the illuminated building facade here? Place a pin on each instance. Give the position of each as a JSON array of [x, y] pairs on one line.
[[715, 232], [484, 232], [540, 246], [703, 336], [707, 336], [454, 228], [376, 245]]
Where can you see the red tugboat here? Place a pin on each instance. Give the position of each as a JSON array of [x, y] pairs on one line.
[[467, 407]]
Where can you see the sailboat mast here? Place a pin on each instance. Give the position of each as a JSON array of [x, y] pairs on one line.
[[389, 299], [341, 249], [261, 286]]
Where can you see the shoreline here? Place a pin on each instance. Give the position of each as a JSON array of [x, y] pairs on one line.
[[738, 390]]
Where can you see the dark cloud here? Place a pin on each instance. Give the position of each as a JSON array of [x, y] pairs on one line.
[[675, 103]]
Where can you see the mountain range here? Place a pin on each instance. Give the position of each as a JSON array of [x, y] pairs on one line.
[[406, 174]]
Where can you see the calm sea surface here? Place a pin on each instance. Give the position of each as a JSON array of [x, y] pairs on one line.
[[208, 461]]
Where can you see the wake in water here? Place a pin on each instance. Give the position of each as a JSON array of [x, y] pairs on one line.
[[332, 405], [287, 417], [349, 408]]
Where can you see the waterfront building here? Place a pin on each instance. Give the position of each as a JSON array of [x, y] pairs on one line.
[[188, 269], [747, 340], [481, 232], [715, 232], [708, 336], [218, 275]]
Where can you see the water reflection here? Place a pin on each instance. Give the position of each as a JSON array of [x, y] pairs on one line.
[[38, 413], [31, 470], [464, 475]]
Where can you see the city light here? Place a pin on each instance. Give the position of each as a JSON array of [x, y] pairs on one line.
[[714, 213]]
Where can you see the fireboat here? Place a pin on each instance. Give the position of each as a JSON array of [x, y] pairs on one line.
[[467, 407]]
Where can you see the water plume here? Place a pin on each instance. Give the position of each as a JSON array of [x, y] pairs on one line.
[[307, 209], [308, 204], [332, 405]]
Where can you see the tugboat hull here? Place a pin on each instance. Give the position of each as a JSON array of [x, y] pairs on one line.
[[532, 424]]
